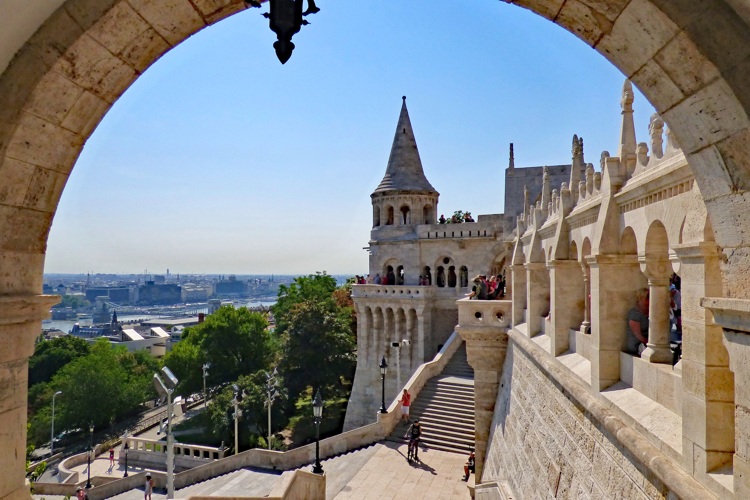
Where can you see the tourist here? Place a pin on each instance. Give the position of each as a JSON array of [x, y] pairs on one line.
[[148, 487], [391, 277], [414, 433], [384, 279], [405, 404], [676, 316], [442, 219], [378, 279], [469, 466], [111, 457], [637, 327], [479, 290], [369, 279], [498, 289], [80, 494]]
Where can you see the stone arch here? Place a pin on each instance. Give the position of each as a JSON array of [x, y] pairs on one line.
[[66, 77], [573, 250], [389, 215], [375, 216], [405, 214], [428, 214], [628, 242]]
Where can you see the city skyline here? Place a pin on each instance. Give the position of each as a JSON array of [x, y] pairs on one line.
[[220, 160]]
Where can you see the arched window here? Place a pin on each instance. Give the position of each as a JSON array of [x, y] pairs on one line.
[[390, 275], [427, 275], [428, 215], [389, 216], [452, 277], [440, 277], [463, 276], [375, 216], [400, 275], [405, 215]]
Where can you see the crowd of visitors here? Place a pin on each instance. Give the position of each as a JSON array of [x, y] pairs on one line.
[[638, 323], [494, 289]]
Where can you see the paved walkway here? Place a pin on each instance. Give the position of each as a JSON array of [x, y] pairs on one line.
[[376, 472]]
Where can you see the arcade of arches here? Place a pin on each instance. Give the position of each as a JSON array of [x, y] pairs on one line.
[[691, 59]]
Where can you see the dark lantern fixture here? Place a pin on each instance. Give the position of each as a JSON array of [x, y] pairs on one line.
[[285, 19]]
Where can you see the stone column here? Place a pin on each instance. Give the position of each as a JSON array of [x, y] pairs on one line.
[[518, 294], [485, 351], [707, 381], [657, 349], [614, 281], [20, 324], [537, 302], [566, 301], [586, 324]]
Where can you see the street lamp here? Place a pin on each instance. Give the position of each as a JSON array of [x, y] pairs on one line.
[[206, 366], [272, 385], [52, 432], [238, 395], [165, 386], [317, 418], [88, 455], [126, 448], [383, 370]]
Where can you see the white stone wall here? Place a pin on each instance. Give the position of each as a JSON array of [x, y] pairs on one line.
[[545, 446]]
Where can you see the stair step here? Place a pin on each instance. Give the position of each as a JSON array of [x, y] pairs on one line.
[[458, 404], [446, 391]]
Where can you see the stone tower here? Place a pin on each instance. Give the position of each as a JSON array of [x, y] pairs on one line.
[[404, 197], [407, 321]]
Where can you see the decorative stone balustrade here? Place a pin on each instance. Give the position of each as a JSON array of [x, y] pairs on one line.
[[392, 291], [152, 453], [487, 313]]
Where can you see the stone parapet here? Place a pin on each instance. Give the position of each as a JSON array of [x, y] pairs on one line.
[[483, 325]]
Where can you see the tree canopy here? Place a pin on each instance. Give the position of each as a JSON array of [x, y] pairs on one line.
[[235, 341], [51, 355]]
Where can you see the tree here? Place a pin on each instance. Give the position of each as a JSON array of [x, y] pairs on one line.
[[234, 341], [102, 386], [318, 348], [186, 361], [73, 301], [317, 287], [51, 355]]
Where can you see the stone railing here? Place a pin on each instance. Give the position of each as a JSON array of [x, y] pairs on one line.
[[70, 476], [484, 313], [392, 291], [151, 453]]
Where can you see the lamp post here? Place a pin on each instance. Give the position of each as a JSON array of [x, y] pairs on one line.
[[165, 386], [206, 366], [272, 385], [238, 394], [126, 448], [52, 432], [383, 370], [88, 455], [317, 418]]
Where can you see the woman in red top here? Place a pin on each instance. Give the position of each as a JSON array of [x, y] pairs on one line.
[[405, 404]]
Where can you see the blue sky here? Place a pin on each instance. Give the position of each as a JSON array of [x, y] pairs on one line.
[[221, 160]]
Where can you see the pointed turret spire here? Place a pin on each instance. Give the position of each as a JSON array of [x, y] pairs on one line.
[[404, 170]]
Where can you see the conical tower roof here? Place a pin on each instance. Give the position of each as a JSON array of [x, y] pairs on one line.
[[404, 172]]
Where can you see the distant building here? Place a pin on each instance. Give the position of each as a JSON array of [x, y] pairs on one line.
[[118, 294], [230, 287], [153, 294]]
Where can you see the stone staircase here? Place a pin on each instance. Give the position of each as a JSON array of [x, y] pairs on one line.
[[445, 408]]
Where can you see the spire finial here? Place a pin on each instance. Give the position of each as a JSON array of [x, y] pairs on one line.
[[511, 160], [404, 98]]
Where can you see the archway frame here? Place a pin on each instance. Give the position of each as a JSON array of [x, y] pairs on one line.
[[69, 73]]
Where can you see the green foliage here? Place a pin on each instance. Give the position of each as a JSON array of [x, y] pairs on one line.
[[315, 323], [186, 361], [51, 355], [317, 287], [75, 302], [235, 341], [104, 385]]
